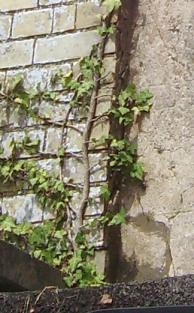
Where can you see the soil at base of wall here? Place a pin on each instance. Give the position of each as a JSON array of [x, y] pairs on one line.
[[168, 291]]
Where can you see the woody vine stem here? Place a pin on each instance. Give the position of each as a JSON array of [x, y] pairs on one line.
[[63, 240]]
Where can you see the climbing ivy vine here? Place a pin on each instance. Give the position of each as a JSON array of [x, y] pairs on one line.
[[57, 241]]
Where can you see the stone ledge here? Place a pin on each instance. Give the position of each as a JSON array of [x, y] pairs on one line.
[[18, 271]]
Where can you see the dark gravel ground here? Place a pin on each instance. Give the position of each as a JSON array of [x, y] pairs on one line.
[[168, 291]]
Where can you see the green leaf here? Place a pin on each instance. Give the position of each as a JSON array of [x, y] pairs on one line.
[[59, 234], [16, 82], [118, 218], [8, 224], [123, 110], [112, 4], [137, 170], [61, 152], [105, 193]]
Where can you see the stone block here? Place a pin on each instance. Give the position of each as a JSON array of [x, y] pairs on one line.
[[40, 77], [53, 140], [110, 46], [23, 208], [5, 25], [109, 64], [73, 168], [103, 107], [88, 14], [96, 236], [100, 129], [7, 139], [99, 259], [16, 53], [10, 187], [104, 99], [2, 78], [32, 23], [74, 138], [48, 2], [65, 47], [64, 18], [3, 116], [37, 134], [98, 163], [18, 137], [50, 165], [55, 112], [95, 206], [13, 5], [16, 119]]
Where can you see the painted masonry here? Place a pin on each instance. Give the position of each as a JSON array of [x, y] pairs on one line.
[[39, 38]]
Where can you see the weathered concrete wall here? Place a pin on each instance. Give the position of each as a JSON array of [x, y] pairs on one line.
[[158, 239], [37, 39]]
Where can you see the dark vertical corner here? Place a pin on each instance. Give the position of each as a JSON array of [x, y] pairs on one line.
[[127, 18]]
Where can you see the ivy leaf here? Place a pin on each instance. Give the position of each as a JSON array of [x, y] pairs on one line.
[[105, 193], [123, 110], [16, 83], [137, 170], [112, 4], [37, 253], [143, 96], [8, 224], [118, 219], [61, 152], [59, 234]]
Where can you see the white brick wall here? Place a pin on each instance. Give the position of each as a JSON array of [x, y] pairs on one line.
[[37, 39]]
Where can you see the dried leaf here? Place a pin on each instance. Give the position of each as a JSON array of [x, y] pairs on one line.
[[106, 299]]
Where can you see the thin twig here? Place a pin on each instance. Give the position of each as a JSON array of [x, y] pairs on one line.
[[43, 291]]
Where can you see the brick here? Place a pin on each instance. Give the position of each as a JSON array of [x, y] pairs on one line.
[[32, 23], [5, 25], [64, 18], [65, 47], [88, 14], [12, 5], [16, 53]]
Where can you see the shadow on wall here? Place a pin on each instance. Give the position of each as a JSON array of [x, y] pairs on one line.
[[127, 19], [135, 254], [139, 266]]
